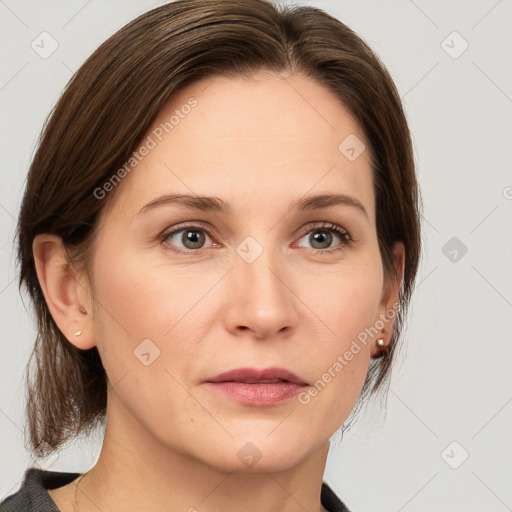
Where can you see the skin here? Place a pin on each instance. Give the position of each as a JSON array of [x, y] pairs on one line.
[[170, 442]]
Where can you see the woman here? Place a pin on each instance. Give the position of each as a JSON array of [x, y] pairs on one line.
[[220, 235]]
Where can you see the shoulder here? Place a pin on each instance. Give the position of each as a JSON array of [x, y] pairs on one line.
[[331, 501], [33, 494]]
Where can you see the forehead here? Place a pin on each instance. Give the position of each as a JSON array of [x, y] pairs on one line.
[[267, 136]]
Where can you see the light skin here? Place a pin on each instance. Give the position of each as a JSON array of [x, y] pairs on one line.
[[171, 443]]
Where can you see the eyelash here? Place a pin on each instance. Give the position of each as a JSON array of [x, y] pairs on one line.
[[343, 234]]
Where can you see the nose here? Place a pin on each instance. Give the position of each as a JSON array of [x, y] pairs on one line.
[[261, 302]]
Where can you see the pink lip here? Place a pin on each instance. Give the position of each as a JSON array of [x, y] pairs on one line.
[[243, 385], [252, 374]]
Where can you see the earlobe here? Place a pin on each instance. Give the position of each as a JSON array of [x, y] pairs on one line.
[[389, 303], [66, 296]]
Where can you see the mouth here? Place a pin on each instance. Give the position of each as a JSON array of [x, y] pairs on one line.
[[254, 376], [249, 386]]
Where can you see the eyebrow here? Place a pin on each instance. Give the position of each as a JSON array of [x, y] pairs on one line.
[[217, 205]]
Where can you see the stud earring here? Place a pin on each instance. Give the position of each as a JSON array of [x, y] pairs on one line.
[[78, 333], [380, 343]]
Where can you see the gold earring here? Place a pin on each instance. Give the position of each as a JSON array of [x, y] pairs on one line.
[[77, 333], [380, 343]]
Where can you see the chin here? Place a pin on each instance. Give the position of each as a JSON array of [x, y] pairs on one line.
[[246, 454]]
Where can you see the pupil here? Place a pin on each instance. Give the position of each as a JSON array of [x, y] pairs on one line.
[[322, 237], [192, 239]]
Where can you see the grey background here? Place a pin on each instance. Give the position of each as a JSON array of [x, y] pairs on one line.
[[454, 383]]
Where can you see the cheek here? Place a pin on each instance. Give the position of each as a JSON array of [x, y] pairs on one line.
[[134, 306], [347, 307], [126, 309], [347, 301], [139, 301]]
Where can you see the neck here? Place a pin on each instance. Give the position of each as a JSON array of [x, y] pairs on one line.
[[147, 475]]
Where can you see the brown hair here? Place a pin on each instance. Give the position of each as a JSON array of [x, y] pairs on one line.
[[108, 106]]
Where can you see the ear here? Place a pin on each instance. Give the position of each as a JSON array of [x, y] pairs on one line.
[[65, 289], [385, 319]]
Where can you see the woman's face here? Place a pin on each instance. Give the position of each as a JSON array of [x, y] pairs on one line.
[[256, 276]]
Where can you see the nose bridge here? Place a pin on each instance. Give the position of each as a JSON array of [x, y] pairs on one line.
[[262, 299]]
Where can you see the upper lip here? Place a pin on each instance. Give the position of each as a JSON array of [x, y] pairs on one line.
[[251, 375]]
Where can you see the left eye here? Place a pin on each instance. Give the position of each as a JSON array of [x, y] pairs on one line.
[[321, 238]]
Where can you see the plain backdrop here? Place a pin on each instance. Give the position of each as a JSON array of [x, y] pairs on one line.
[[444, 443]]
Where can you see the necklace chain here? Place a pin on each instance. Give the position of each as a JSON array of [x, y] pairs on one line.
[[75, 501]]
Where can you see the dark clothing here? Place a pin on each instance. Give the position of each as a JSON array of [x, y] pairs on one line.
[[33, 496]]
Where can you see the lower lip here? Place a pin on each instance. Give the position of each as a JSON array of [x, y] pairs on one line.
[[258, 394]]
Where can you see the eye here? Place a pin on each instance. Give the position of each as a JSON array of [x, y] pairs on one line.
[[191, 238], [321, 237]]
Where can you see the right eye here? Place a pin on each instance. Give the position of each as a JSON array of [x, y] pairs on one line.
[[191, 238]]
